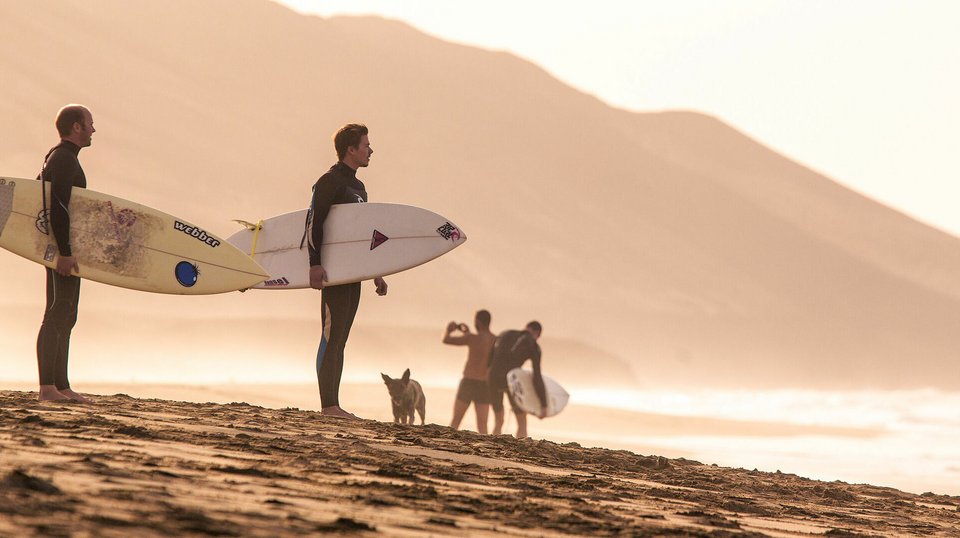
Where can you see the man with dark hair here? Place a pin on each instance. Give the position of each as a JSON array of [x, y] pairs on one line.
[[61, 168], [338, 186], [473, 386], [510, 350]]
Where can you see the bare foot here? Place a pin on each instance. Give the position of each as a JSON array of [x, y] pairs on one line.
[[336, 411], [49, 393], [75, 396]]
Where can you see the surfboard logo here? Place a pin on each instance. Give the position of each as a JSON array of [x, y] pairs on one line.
[[186, 273], [449, 231], [196, 233], [278, 282], [378, 239], [43, 221]]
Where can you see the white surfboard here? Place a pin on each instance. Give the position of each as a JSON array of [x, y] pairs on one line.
[[360, 242], [123, 243], [520, 385]]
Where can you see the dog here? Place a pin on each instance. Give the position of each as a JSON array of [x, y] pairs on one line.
[[406, 395]]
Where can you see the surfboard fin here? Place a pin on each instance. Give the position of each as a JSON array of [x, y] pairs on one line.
[[249, 225]]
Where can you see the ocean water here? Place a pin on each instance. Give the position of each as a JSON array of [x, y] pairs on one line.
[[906, 439]]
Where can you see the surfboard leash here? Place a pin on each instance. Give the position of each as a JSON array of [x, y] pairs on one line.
[[44, 216], [256, 234]]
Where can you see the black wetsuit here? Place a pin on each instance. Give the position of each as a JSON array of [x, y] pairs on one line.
[[63, 172], [338, 186], [510, 350]]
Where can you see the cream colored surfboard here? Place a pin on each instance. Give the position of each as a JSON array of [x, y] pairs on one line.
[[360, 242], [520, 385], [123, 243]]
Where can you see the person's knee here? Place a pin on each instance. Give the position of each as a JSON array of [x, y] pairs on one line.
[[337, 336], [60, 318]]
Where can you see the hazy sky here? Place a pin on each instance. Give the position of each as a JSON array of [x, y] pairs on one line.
[[865, 91]]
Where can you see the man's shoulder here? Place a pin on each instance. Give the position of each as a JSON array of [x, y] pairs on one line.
[[62, 161], [475, 339], [61, 154], [508, 338], [330, 175], [528, 339], [340, 172]]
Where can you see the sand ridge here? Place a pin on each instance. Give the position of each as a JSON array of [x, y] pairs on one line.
[[125, 466]]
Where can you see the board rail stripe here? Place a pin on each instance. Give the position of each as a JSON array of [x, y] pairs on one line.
[[354, 241]]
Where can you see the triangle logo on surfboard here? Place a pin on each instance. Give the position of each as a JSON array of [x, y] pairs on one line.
[[378, 239]]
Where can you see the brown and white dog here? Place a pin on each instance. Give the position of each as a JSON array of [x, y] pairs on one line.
[[406, 395]]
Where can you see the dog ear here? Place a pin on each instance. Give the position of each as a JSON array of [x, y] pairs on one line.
[[386, 378], [406, 376]]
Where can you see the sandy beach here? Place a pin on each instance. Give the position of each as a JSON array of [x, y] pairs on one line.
[[125, 466]]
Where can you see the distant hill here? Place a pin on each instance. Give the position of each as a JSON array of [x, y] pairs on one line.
[[668, 241]]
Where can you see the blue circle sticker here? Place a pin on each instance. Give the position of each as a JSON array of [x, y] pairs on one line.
[[187, 274]]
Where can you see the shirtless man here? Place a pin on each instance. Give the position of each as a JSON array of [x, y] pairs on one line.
[[473, 386]]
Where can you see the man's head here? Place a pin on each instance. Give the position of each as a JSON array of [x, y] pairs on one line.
[[353, 145], [482, 320], [535, 329], [75, 124]]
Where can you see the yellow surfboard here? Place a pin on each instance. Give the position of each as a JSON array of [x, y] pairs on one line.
[[123, 243]]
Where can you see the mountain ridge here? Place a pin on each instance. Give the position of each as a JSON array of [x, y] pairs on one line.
[[670, 240]]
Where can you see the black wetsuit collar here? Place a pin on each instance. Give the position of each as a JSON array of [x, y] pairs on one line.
[[342, 168], [65, 144], [68, 145]]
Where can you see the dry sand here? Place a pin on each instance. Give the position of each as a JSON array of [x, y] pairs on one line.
[[125, 466]]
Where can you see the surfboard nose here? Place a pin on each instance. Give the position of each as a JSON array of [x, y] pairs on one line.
[[452, 232], [242, 262], [254, 268]]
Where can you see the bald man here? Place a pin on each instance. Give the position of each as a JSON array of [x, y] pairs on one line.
[[62, 172]]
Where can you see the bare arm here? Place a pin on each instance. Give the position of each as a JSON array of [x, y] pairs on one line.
[[456, 340]]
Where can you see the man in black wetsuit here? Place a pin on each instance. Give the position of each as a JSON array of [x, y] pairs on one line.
[[61, 168], [510, 350], [338, 186]]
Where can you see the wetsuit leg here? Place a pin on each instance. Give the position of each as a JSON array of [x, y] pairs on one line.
[[59, 318], [340, 305], [354, 304], [496, 387]]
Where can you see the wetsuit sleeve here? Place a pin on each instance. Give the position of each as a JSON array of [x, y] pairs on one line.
[[61, 172], [324, 194], [538, 386]]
